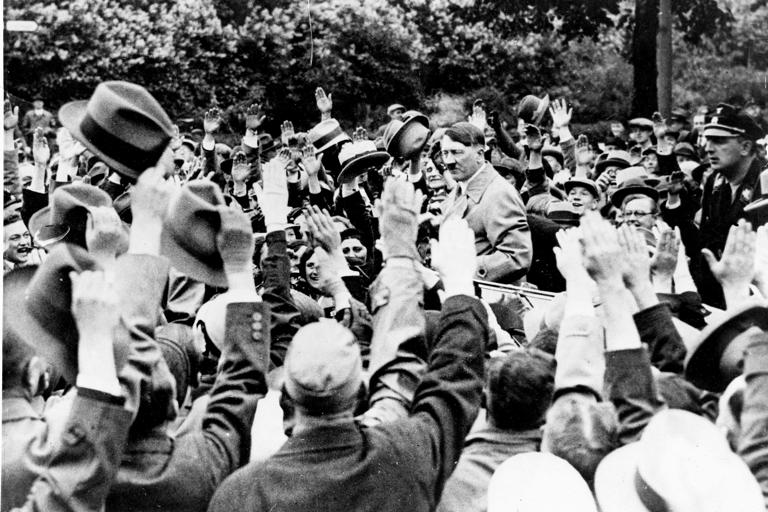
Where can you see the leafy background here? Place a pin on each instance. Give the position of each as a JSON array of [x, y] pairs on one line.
[[435, 55]]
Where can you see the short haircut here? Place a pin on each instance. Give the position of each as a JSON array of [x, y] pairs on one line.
[[581, 431], [520, 387], [632, 197], [466, 133]]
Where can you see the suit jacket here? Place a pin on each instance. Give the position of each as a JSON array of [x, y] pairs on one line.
[[496, 213], [397, 466], [484, 451]]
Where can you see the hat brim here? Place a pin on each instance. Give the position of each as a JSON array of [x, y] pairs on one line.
[[70, 116], [360, 165], [720, 130], [208, 272], [622, 193], [395, 141], [27, 329], [615, 489], [600, 166], [702, 365], [342, 137]]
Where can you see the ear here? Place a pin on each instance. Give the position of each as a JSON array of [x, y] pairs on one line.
[[746, 147]]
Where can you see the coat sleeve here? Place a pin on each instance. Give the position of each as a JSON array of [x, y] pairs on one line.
[[80, 471], [398, 348], [630, 385], [753, 443], [654, 324], [240, 384], [447, 400], [506, 228]]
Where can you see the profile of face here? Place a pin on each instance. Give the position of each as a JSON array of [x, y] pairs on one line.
[[18, 243], [725, 153], [639, 212], [460, 160], [354, 251], [582, 200], [397, 114]]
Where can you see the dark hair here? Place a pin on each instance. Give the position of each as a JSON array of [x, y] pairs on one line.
[[582, 431], [520, 387], [466, 133]]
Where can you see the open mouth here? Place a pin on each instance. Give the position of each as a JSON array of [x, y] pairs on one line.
[[24, 250]]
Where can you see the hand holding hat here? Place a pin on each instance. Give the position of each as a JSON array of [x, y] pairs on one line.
[[105, 236], [96, 313], [736, 267]]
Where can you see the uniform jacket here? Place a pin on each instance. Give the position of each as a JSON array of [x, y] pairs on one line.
[[496, 213], [753, 443], [396, 466]]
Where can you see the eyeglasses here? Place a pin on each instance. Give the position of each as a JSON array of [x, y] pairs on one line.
[[639, 215]]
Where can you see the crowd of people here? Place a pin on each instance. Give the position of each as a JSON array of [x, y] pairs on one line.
[[343, 320]]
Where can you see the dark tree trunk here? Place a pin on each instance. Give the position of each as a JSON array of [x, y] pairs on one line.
[[664, 58], [644, 99]]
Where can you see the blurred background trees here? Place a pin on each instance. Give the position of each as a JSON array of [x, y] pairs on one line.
[[437, 55]]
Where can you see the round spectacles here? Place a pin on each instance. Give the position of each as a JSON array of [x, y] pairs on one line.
[[639, 215]]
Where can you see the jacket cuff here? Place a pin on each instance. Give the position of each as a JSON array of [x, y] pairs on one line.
[[239, 334], [100, 396]]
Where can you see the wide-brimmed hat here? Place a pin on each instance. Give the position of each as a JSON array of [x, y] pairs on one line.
[[616, 158], [326, 134], [538, 481], [729, 122], [123, 124], [715, 358], [681, 461], [532, 109], [37, 308], [406, 138], [630, 187], [586, 183], [358, 157], [190, 229], [268, 143], [67, 212]]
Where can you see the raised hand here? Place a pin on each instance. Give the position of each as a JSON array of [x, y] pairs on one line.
[[561, 114], [568, 255], [736, 268], [359, 134], [149, 206], [212, 121], [310, 161], [761, 259], [324, 102], [40, 150], [637, 261], [659, 126], [398, 219], [11, 116], [603, 255], [322, 232], [454, 256], [286, 132], [478, 117], [254, 117], [240, 168], [105, 236], [274, 199], [664, 261]]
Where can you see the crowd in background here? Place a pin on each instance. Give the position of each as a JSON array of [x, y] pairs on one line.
[[470, 317]]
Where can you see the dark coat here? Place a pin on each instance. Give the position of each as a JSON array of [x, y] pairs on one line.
[[395, 466]]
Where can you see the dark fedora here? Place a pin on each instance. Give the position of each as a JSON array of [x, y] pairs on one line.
[[122, 124], [190, 229], [67, 213], [405, 138], [532, 109], [630, 187], [38, 308], [358, 157], [713, 360]]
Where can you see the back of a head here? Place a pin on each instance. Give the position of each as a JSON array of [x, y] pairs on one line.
[[323, 369], [538, 482], [581, 431], [519, 389]]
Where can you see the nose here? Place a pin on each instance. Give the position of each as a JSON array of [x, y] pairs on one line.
[[708, 146], [448, 159]]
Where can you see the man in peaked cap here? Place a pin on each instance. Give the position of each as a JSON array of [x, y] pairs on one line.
[[732, 152]]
